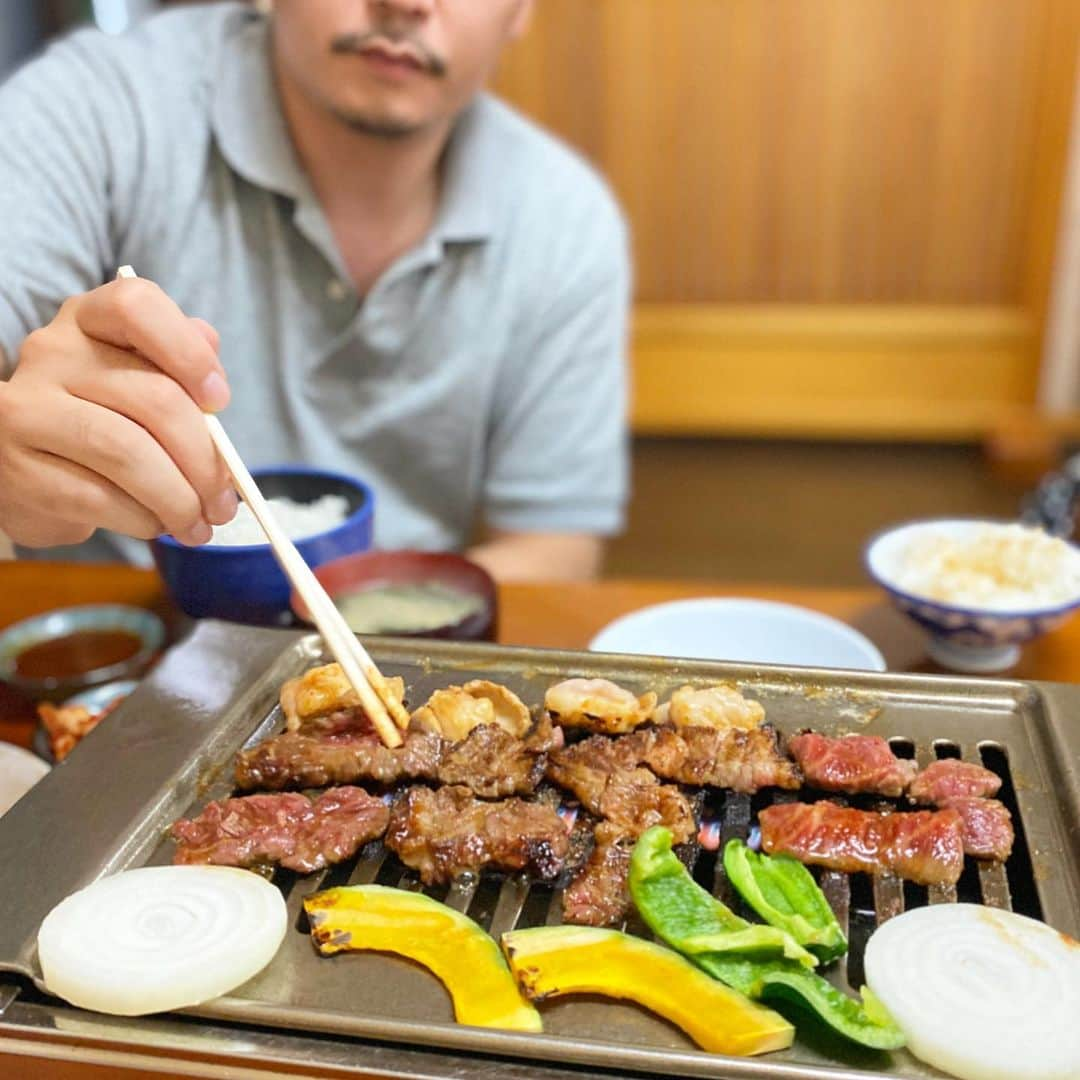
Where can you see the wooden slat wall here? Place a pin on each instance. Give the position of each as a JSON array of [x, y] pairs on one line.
[[892, 160]]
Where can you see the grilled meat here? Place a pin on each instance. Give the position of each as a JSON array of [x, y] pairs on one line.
[[323, 700], [68, 725], [952, 778], [742, 760], [457, 710], [597, 705], [853, 764], [637, 801], [598, 895], [449, 832], [986, 825], [924, 846], [288, 829], [720, 707], [345, 818], [495, 764], [603, 774], [301, 761], [585, 768]]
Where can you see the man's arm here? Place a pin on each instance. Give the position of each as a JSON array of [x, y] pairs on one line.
[[100, 387], [540, 556]]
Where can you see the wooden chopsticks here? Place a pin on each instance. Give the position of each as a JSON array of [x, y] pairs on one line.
[[383, 708]]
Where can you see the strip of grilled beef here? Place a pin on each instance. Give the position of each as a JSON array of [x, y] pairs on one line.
[[301, 761], [490, 761], [602, 773], [287, 829], [449, 832], [494, 764], [739, 759], [986, 825], [598, 895], [584, 768], [852, 764], [925, 846], [951, 778]]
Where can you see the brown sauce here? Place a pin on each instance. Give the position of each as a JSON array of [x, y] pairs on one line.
[[75, 654]]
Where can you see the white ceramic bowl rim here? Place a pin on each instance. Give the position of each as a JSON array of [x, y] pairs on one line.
[[953, 609], [875, 660]]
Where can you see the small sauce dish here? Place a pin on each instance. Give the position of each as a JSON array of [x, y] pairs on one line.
[[56, 654]]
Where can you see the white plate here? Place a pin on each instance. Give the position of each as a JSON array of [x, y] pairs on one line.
[[19, 772], [747, 631]]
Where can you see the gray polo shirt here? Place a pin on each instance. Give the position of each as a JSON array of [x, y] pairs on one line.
[[483, 376]]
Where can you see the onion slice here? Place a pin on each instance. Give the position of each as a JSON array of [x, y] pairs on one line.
[[981, 993], [160, 938]]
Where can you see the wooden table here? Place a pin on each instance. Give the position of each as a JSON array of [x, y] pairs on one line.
[[566, 616]]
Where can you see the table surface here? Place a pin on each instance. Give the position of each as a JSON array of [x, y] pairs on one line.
[[555, 616], [540, 615]]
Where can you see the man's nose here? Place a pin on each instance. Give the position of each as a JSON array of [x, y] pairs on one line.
[[403, 9]]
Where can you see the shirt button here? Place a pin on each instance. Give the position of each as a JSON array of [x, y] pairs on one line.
[[336, 289]]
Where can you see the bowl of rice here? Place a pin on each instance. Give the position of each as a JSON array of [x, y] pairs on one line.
[[236, 577], [980, 588]]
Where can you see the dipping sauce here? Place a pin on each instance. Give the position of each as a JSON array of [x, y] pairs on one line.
[[76, 654], [407, 608]]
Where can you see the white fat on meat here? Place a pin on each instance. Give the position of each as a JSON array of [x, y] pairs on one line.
[[598, 705]]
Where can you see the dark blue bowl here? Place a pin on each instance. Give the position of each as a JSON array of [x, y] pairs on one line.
[[245, 584]]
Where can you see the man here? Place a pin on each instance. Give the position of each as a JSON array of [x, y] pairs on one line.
[[382, 268]]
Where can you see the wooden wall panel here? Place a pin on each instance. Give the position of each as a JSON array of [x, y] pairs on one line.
[[903, 154], [802, 150]]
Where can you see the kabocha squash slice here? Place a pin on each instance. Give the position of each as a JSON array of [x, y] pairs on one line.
[[450, 945], [556, 960]]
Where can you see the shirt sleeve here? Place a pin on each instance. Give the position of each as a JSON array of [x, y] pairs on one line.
[[58, 150], [558, 447]]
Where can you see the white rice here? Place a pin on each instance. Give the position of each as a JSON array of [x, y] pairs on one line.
[[299, 520], [995, 567]]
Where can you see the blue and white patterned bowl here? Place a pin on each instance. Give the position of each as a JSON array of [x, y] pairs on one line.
[[963, 639]]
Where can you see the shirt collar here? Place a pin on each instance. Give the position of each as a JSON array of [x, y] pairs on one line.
[[250, 129], [469, 169], [246, 114]]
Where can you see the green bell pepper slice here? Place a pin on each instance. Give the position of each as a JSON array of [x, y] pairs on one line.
[[689, 919], [701, 923], [784, 893]]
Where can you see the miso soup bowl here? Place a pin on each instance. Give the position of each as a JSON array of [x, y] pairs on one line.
[[354, 573]]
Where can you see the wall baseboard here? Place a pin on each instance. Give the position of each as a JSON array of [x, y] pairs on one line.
[[914, 372]]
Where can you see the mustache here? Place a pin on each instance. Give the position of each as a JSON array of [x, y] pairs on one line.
[[356, 43]]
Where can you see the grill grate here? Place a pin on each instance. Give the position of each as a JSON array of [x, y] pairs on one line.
[[500, 903]]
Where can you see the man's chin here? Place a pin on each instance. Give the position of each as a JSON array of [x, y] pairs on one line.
[[379, 125]]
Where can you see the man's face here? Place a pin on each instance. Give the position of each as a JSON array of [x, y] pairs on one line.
[[393, 67]]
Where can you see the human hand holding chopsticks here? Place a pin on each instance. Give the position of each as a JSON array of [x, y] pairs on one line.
[[101, 423], [383, 708]]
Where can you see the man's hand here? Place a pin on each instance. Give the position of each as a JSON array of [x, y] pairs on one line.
[[101, 424], [534, 557]]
